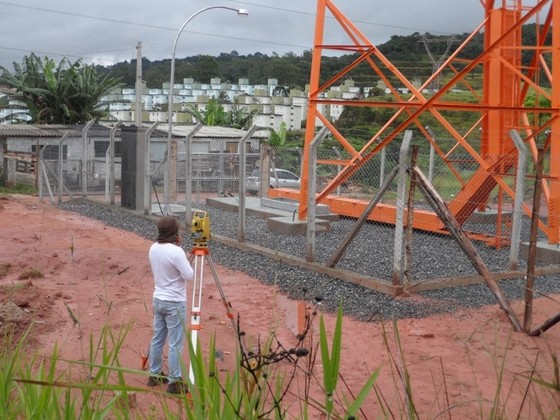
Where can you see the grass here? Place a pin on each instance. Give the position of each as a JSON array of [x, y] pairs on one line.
[[18, 189], [11, 288], [96, 387], [265, 382], [51, 387], [31, 273], [4, 269]]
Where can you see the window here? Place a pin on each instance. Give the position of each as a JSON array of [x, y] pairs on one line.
[[100, 147], [50, 151]]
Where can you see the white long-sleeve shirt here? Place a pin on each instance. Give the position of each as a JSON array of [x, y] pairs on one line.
[[171, 271]]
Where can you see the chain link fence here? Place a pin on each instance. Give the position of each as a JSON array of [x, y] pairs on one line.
[[368, 209], [429, 255]]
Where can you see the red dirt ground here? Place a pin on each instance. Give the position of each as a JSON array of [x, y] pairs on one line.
[[101, 276]]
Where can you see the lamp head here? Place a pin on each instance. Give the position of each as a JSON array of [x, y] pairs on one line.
[[242, 12]]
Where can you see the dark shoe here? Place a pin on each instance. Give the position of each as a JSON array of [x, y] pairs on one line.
[[156, 379], [177, 388]]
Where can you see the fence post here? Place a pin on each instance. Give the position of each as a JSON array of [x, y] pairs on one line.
[[312, 193], [532, 254], [221, 172], [189, 174], [382, 167], [338, 167], [60, 164], [39, 173], [110, 180], [432, 155], [85, 156], [147, 174], [399, 222], [46, 179], [265, 169], [518, 200], [242, 176], [107, 180], [407, 271], [43, 176]]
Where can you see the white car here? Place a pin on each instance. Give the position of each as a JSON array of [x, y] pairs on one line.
[[279, 178]]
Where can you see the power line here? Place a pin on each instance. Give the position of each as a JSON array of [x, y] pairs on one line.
[[43, 10], [166, 28], [61, 12], [383, 25], [143, 25]]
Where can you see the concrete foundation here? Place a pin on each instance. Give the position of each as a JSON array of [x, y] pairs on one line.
[[546, 253], [281, 214], [289, 226], [488, 216]]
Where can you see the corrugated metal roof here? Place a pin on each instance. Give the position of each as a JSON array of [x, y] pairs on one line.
[[98, 130], [51, 131], [25, 130], [208, 131]]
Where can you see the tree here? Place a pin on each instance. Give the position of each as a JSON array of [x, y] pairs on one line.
[[215, 115], [67, 93], [282, 69], [223, 97], [206, 68], [281, 91], [156, 76], [278, 138]]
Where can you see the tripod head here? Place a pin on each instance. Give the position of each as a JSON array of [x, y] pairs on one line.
[[200, 229]]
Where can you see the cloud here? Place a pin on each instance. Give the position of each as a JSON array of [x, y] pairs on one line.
[[107, 31]]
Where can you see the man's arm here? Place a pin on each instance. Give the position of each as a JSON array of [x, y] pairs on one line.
[[183, 266]]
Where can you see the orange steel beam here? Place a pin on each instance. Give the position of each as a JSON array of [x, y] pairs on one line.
[[554, 197], [501, 107]]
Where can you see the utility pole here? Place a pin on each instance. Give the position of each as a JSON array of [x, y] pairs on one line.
[[139, 86]]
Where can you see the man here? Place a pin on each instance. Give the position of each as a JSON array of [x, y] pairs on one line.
[[171, 271]]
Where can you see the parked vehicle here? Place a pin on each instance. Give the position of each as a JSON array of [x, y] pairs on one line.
[[279, 178]]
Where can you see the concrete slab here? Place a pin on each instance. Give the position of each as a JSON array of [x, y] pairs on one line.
[[253, 207], [291, 206], [546, 253], [157, 209], [322, 211], [289, 226], [281, 215], [487, 216]]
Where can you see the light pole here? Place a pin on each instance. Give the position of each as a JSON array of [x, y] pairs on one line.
[[167, 174]]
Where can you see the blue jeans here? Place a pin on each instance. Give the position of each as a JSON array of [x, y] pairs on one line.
[[169, 322]]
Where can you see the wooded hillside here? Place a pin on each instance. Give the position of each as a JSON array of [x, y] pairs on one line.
[[408, 53]]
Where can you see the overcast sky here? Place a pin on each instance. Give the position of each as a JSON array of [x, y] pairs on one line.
[[107, 31]]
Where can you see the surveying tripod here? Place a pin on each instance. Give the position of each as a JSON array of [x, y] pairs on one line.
[[200, 228]]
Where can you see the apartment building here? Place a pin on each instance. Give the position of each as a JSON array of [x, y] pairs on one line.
[[271, 109]]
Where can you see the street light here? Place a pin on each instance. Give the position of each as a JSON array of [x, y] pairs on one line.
[[167, 174]]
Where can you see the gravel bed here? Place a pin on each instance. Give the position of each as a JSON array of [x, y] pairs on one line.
[[370, 253]]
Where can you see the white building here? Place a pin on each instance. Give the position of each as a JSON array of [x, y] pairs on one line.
[[271, 110]]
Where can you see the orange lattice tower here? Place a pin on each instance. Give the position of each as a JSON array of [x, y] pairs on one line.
[[501, 107]]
